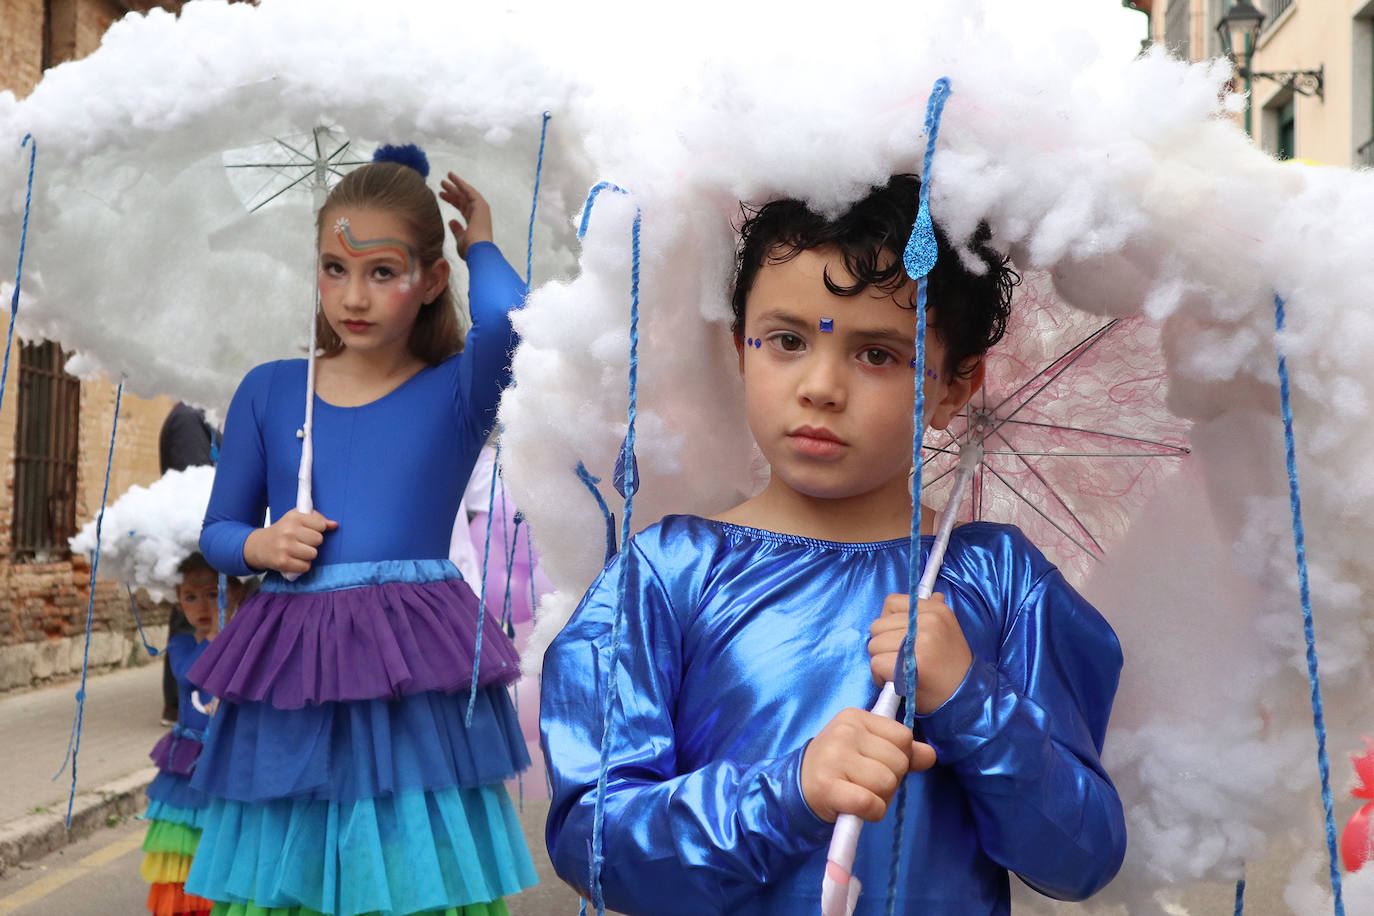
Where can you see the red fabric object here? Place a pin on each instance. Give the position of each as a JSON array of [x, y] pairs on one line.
[[1357, 839]]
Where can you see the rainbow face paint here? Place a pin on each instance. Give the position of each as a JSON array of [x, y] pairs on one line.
[[356, 249]]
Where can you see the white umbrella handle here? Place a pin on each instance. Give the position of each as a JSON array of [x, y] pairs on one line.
[[305, 503], [839, 888]]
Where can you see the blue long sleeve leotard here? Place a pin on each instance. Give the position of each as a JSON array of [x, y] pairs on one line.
[[741, 644], [390, 472]]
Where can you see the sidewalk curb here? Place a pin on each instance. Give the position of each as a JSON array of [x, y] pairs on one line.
[[35, 835]]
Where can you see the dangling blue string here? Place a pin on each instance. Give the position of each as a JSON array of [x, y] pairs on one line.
[[534, 203], [631, 485], [19, 271], [586, 477], [133, 605], [1240, 897], [919, 259], [1308, 627], [222, 597], [482, 586], [90, 610]]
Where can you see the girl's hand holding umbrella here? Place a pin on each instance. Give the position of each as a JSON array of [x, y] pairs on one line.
[[290, 544]]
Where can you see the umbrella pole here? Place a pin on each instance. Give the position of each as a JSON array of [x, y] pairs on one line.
[[840, 889]]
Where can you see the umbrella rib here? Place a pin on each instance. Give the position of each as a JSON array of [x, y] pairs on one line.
[[305, 162], [1082, 347], [1021, 496], [1182, 449], [1053, 492], [279, 193], [339, 151], [1083, 454]]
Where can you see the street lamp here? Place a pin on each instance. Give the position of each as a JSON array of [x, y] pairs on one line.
[[1239, 30]]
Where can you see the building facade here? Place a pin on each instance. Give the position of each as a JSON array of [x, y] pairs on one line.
[[1333, 36], [56, 430]]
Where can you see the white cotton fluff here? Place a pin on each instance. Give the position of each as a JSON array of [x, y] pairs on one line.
[[148, 531], [1128, 186], [180, 288]]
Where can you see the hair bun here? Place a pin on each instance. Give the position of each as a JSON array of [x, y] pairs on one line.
[[406, 154]]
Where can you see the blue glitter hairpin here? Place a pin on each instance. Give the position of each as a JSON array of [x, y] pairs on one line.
[[921, 249]]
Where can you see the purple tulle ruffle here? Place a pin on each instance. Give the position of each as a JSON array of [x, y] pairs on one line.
[[176, 754], [385, 640]]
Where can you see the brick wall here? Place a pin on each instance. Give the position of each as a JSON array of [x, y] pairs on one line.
[[43, 604]]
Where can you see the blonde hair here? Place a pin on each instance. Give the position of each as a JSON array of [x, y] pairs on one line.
[[400, 190]]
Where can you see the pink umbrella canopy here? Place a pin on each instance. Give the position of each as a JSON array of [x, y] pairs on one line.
[[1074, 425]]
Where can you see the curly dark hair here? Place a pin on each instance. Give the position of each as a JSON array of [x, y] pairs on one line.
[[968, 310]]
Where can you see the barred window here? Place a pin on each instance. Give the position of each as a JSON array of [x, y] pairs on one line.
[[1178, 29], [1274, 8], [45, 454]]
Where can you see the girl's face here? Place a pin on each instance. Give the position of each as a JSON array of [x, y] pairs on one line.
[[198, 596], [372, 285], [828, 380]]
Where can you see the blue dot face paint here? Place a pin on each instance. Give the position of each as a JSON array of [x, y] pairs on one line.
[[930, 373], [827, 325]]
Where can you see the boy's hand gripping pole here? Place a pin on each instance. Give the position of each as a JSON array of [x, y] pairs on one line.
[[840, 889]]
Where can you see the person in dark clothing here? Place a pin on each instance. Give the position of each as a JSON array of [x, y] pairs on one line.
[[187, 439]]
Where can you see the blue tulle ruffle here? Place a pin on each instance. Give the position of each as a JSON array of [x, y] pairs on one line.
[[161, 811], [411, 853], [177, 791], [344, 752]]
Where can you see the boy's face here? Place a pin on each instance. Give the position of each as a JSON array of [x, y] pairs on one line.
[[198, 595], [831, 409]]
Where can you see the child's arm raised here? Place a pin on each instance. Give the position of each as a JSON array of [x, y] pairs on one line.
[[1023, 732], [494, 289], [680, 838]]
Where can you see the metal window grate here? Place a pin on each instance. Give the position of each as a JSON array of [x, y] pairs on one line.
[[45, 454], [1274, 8]]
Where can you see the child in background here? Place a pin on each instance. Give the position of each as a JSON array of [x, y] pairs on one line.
[[345, 777], [174, 807], [751, 650]]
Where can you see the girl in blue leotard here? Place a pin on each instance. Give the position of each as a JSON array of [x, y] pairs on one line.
[[343, 774]]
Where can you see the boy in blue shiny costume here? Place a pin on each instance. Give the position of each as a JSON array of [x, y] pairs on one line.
[[740, 729]]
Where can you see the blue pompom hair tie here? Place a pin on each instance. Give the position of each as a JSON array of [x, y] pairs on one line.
[[404, 154]]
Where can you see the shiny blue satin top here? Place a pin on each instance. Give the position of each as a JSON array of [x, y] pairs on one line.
[[741, 644]]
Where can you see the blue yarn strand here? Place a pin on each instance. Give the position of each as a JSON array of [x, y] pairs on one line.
[[482, 598], [934, 108], [586, 477], [222, 597], [1308, 626], [534, 203], [1240, 897], [138, 622], [90, 606], [631, 485], [19, 271]]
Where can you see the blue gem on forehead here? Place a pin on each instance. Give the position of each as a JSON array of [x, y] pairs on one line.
[[827, 325], [757, 343]]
